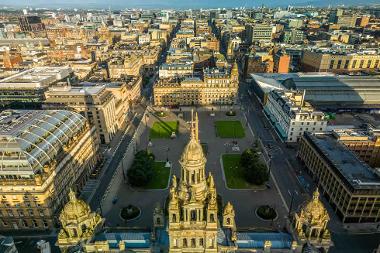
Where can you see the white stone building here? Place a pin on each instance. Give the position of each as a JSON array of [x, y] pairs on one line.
[[291, 116]]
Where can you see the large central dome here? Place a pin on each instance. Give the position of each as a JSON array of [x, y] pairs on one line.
[[193, 153]]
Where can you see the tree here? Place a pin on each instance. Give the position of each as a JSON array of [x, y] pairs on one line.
[[254, 170], [248, 157], [141, 170]]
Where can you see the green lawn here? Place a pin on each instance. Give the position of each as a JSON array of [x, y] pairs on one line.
[[229, 129], [233, 172], [160, 177], [163, 129]]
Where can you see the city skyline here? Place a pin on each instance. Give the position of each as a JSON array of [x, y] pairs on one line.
[[177, 4]]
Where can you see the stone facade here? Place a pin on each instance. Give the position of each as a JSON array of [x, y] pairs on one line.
[[193, 208]]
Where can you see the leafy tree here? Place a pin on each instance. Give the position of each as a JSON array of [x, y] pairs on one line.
[[254, 170], [141, 170]]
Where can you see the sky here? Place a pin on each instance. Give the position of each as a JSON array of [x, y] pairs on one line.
[[194, 4]]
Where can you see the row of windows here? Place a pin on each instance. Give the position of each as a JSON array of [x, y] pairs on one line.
[[354, 64], [25, 224]]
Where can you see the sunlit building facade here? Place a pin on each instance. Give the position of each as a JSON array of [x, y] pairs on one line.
[[44, 154]]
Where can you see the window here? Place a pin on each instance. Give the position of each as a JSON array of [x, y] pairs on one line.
[[346, 64], [185, 242], [201, 242], [193, 215], [193, 242], [212, 219], [339, 64], [361, 64], [331, 64]]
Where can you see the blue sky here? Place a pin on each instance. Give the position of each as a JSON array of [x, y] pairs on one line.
[[117, 4]]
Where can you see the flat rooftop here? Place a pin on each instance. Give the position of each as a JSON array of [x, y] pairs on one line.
[[39, 75], [77, 90], [358, 174]]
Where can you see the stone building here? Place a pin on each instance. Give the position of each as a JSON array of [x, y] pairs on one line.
[[44, 154], [193, 210], [310, 224], [96, 103], [78, 223], [219, 86], [348, 184]]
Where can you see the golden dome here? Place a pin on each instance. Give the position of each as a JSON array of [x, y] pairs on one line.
[[315, 210], [75, 208], [193, 153]]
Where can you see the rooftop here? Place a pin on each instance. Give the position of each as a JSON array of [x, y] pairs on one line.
[[29, 139], [358, 174], [38, 75]]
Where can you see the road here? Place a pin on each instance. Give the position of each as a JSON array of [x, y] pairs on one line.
[[283, 161], [292, 179]]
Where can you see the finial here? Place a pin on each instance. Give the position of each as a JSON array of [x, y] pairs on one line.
[[316, 194], [72, 195]]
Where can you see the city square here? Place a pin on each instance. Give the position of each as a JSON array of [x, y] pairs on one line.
[[216, 147]]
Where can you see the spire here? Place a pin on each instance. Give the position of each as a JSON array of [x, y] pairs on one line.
[[211, 182], [194, 126]]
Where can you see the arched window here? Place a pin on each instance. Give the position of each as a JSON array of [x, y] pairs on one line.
[[174, 218], [184, 242], [201, 242], [212, 219], [228, 221], [158, 220]]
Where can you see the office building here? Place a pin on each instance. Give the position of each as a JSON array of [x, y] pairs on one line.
[[318, 61], [44, 154], [291, 116], [349, 185], [365, 144], [31, 24], [29, 86], [96, 103]]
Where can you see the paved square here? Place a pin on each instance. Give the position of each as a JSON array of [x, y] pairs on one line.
[[245, 201]]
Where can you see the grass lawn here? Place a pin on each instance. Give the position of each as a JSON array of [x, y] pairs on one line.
[[233, 172], [163, 129], [229, 129], [160, 177]]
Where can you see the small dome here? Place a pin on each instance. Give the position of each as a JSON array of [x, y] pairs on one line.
[[75, 208], [315, 210]]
